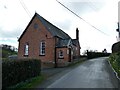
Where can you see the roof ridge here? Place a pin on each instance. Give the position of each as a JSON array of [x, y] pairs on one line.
[[59, 30]]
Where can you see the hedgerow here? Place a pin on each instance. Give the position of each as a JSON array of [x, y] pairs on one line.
[[15, 71], [115, 62]]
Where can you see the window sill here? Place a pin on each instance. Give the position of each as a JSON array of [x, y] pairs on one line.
[[60, 57], [25, 55], [41, 55]]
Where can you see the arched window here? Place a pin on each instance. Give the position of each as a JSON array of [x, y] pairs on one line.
[[60, 54], [26, 51], [42, 48]]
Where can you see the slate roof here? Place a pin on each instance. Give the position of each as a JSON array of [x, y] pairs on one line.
[[75, 42], [55, 31], [63, 42]]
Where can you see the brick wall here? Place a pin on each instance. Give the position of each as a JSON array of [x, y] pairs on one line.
[[34, 37], [62, 61]]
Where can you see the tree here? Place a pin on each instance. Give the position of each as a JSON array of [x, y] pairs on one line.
[[104, 51]]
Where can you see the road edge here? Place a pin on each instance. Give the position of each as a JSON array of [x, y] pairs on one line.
[[116, 75], [114, 70]]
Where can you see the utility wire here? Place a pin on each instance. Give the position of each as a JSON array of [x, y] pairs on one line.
[[25, 8], [82, 18], [92, 6]]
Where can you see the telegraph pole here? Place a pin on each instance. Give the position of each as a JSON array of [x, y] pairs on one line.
[[118, 30]]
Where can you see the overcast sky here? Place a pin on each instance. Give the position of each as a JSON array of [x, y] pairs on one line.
[[103, 14]]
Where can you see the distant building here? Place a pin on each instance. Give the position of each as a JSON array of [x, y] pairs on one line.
[[43, 40]]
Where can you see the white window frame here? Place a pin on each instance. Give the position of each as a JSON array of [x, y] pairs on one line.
[[76, 48], [42, 48], [26, 51], [60, 54], [68, 51]]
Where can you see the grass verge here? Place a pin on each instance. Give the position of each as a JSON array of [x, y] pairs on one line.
[[31, 83], [115, 62]]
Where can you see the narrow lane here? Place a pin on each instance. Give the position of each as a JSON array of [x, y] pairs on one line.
[[94, 73]]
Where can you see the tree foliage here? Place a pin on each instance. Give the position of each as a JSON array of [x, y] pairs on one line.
[[7, 50]]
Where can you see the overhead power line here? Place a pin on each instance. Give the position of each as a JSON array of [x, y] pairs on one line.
[[82, 18], [25, 8]]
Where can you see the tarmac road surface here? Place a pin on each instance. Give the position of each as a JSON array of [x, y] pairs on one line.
[[94, 73]]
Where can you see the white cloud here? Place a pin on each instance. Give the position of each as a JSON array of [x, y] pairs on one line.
[[100, 13]]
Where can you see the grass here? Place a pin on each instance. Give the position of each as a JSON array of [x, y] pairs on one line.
[[8, 52], [115, 62], [31, 83]]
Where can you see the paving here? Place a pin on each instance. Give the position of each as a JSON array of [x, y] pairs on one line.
[[93, 73]]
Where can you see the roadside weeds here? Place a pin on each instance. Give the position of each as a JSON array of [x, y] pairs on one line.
[[115, 73], [30, 83]]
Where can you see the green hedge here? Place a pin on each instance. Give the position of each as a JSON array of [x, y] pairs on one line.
[[91, 55], [115, 62], [15, 71]]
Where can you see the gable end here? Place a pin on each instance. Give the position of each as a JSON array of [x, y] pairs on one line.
[[27, 27]]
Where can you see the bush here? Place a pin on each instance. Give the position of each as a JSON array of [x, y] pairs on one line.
[[91, 55], [115, 62], [15, 71], [5, 52]]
